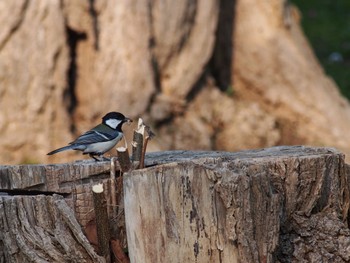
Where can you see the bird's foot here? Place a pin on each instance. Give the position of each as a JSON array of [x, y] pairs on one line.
[[104, 158], [95, 158], [100, 158]]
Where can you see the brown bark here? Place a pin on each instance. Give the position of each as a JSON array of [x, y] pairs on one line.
[[272, 205], [41, 229], [275, 66], [230, 72]]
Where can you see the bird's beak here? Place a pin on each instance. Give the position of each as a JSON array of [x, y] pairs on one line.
[[127, 120]]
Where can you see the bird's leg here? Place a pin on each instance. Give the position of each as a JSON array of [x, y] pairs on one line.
[[104, 158], [92, 156]]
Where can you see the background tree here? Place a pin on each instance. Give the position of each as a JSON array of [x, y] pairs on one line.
[[209, 74]]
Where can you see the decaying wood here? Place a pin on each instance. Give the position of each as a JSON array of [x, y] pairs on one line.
[[283, 204], [102, 221], [41, 228]]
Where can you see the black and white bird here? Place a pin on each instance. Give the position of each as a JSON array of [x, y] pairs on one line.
[[100, 139]]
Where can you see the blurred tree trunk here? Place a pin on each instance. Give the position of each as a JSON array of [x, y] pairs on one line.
[[237, 74]]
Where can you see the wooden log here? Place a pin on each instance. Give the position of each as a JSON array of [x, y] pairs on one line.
[[283, 204], [102, 221], [41, 228]]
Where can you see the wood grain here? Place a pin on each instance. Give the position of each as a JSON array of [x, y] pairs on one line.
[[254, 206]]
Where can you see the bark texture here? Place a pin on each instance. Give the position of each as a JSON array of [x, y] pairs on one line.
[[41, 229], [230, 72], [74, 180], [275, 66], [272, 205], [34, 59]]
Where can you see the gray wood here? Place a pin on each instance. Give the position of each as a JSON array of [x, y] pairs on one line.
[[41, 229]]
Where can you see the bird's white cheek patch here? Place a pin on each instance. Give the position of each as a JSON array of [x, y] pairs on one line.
[[113, 123]]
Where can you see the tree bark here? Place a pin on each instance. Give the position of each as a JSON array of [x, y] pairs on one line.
[[273, 205], [200, 71], [41, 229]]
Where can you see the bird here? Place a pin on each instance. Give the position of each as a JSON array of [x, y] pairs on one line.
[[99, 139]]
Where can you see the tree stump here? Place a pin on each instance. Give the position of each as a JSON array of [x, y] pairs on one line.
[[283, 204], [41, 228]]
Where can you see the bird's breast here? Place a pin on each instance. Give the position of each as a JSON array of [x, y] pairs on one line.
[[102, 147]]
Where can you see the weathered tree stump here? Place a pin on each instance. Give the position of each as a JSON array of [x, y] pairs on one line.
[[27, 183], [41, 228], [283, 204]]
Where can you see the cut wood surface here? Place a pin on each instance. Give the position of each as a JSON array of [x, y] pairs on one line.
[[283, 204]]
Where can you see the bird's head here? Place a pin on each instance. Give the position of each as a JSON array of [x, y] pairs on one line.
[[115, 120]]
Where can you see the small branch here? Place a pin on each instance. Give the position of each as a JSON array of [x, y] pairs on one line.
[[124, 159], [113, 190], [102, 222], [137, 144], [149, 136]]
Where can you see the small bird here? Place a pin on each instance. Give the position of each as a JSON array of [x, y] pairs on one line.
[[100, 139]]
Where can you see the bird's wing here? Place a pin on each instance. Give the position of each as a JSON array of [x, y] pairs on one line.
[[93, 136]]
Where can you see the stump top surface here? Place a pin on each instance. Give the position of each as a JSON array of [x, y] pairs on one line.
[[26, 176], [279, 152]]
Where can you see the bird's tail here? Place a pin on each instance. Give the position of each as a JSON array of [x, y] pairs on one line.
[[65, 148]]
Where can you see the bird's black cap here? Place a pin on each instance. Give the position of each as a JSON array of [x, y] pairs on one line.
[[115, 115]]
